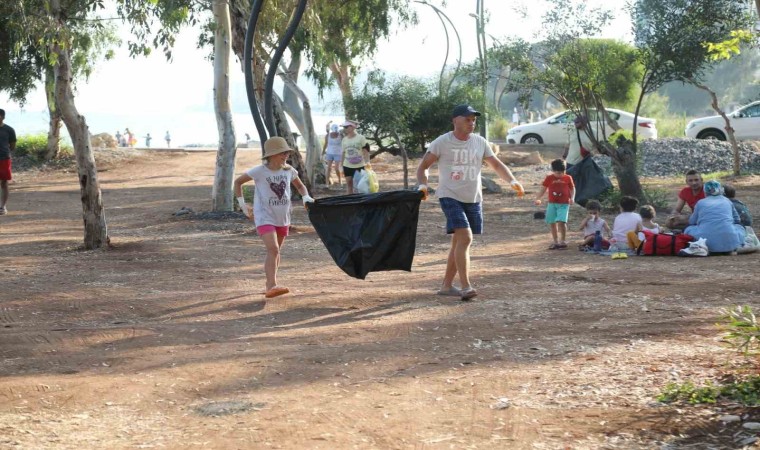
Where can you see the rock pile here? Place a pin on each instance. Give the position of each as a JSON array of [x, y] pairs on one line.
[[673, 156]]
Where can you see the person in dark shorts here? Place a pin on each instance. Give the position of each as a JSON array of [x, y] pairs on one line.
[[460, 155]]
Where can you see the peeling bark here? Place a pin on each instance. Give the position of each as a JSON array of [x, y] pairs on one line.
[[221, 194], [93, 213], [54, 124]]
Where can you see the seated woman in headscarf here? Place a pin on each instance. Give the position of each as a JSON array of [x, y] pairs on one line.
[[715, 219]]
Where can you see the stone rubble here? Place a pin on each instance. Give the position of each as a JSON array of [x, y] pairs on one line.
[[674, 156]]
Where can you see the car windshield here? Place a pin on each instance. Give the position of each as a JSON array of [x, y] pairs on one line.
[[750, 111]]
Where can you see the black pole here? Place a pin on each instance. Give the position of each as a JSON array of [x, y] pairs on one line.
[[274, 63]]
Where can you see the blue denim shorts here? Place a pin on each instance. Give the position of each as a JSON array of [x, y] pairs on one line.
[[329, 157], [462, 215]]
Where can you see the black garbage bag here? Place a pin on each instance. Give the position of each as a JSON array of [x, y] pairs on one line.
[[590, 181], [368, 232]]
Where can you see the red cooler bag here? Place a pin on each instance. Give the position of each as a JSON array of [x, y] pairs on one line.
[[663, 244]]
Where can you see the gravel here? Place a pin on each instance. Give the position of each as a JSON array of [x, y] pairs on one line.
[[674, 156]]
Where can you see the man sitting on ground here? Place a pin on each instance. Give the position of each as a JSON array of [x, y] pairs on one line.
[[689, 195]]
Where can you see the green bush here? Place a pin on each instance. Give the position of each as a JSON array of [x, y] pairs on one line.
[[672, 126], [658, 198], [746, 392], [497, 129], [34, 147], [742, 329]]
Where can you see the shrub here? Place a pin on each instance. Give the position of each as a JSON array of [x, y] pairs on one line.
[[34, 147], [742, 329], [497, 129], [658, 198]]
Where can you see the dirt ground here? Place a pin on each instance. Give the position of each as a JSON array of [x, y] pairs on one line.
[[165, 340]]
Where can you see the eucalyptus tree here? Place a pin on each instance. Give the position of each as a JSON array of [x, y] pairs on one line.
[[60, 35], [25, 63]]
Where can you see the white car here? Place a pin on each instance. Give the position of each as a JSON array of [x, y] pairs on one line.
[[553, 131], [745, 121]]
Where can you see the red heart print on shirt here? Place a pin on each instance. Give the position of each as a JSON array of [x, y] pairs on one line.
[[278, 188]]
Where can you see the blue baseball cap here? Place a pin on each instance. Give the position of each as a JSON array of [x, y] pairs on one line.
[[464, 110]]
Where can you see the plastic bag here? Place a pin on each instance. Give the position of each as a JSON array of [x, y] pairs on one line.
[[590, 181], [751, 242], [362, 186], [368, 233], [357, 179], [371, 177]]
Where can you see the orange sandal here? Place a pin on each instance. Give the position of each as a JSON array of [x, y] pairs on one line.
[[276, 291]]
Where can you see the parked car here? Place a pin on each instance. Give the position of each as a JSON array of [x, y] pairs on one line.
[[745, 121], [553, 130]]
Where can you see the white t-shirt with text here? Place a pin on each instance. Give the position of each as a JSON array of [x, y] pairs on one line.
[[271, 199], [459, 166]]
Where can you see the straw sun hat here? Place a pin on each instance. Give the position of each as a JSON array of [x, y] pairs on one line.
[[275, 145]]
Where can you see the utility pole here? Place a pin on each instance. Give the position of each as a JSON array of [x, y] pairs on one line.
[[480, 27]]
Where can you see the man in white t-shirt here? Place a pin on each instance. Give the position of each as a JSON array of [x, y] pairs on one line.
[[460, 155]]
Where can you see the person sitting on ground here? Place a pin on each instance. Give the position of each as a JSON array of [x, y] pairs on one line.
[[689, 195], [561, 195], [744, 215], [593, 223], [715, 219], [625, 222], [648, 215]]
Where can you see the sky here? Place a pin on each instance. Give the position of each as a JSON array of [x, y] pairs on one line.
[[150, 95]]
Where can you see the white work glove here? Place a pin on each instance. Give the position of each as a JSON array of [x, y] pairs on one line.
[[245, 207], [307, 199], [424, 189], [518, 188]]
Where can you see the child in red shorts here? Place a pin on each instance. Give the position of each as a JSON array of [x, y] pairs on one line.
[[7, 145]]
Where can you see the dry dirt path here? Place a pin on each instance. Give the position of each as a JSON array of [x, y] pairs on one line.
[[165, 341]]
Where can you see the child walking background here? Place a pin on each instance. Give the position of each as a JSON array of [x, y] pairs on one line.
[[271, 205], [561, 195]]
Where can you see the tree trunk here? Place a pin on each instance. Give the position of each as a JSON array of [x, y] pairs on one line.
[[624, 167], [729, 129], [341, 75], [290, 99], [313, 152], [54, 125], [221, 194], [405, 157], [95, 229], [283, 130]]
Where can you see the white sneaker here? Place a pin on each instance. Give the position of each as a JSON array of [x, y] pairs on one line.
[[3, 211]]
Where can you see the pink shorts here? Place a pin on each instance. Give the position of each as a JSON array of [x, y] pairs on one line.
[[5, 170], [265, 229]]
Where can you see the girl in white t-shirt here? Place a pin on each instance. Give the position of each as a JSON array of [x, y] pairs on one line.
[[271, 204]]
